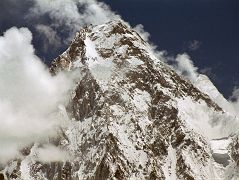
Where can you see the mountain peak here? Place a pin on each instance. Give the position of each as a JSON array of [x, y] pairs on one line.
[[131, 115]]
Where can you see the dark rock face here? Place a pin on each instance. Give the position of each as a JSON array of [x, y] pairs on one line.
[[1, 177], [86, 94], [125, 118]]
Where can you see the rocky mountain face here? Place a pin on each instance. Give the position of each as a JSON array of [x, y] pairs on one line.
[[132, 117]]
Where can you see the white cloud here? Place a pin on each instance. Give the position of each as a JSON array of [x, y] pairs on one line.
[[72, 15], [184, 66], [50, 153], [144, 34], [146, 37], [69, 16], [29, 95]]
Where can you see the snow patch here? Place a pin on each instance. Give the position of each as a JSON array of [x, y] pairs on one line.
[[141, 100], [169, 168], [100, 68], [203, 120]]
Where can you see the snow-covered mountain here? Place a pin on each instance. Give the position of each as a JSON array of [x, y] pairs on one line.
[[131, 116], [204, 84]]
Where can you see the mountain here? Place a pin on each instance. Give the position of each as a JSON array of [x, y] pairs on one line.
[[131, 116], [204, 84]]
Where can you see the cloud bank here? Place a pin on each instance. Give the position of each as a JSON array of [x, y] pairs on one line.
[[29, 95], [69, 16]]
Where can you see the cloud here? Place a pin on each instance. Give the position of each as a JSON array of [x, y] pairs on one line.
[[185, 66], [51, 39], [69, 16], [194, 45], [29, 95], [144, 34], [234, 99], [207, 71], [50, 153], [57, 21], [146, 37]]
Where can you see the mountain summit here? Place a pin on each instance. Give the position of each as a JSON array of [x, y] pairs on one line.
[[131, 116]]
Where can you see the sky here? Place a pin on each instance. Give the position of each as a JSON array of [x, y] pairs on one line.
[[207, 30]]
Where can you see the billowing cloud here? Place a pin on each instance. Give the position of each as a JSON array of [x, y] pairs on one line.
[[185, 66], [29, 95], [69, 16]]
